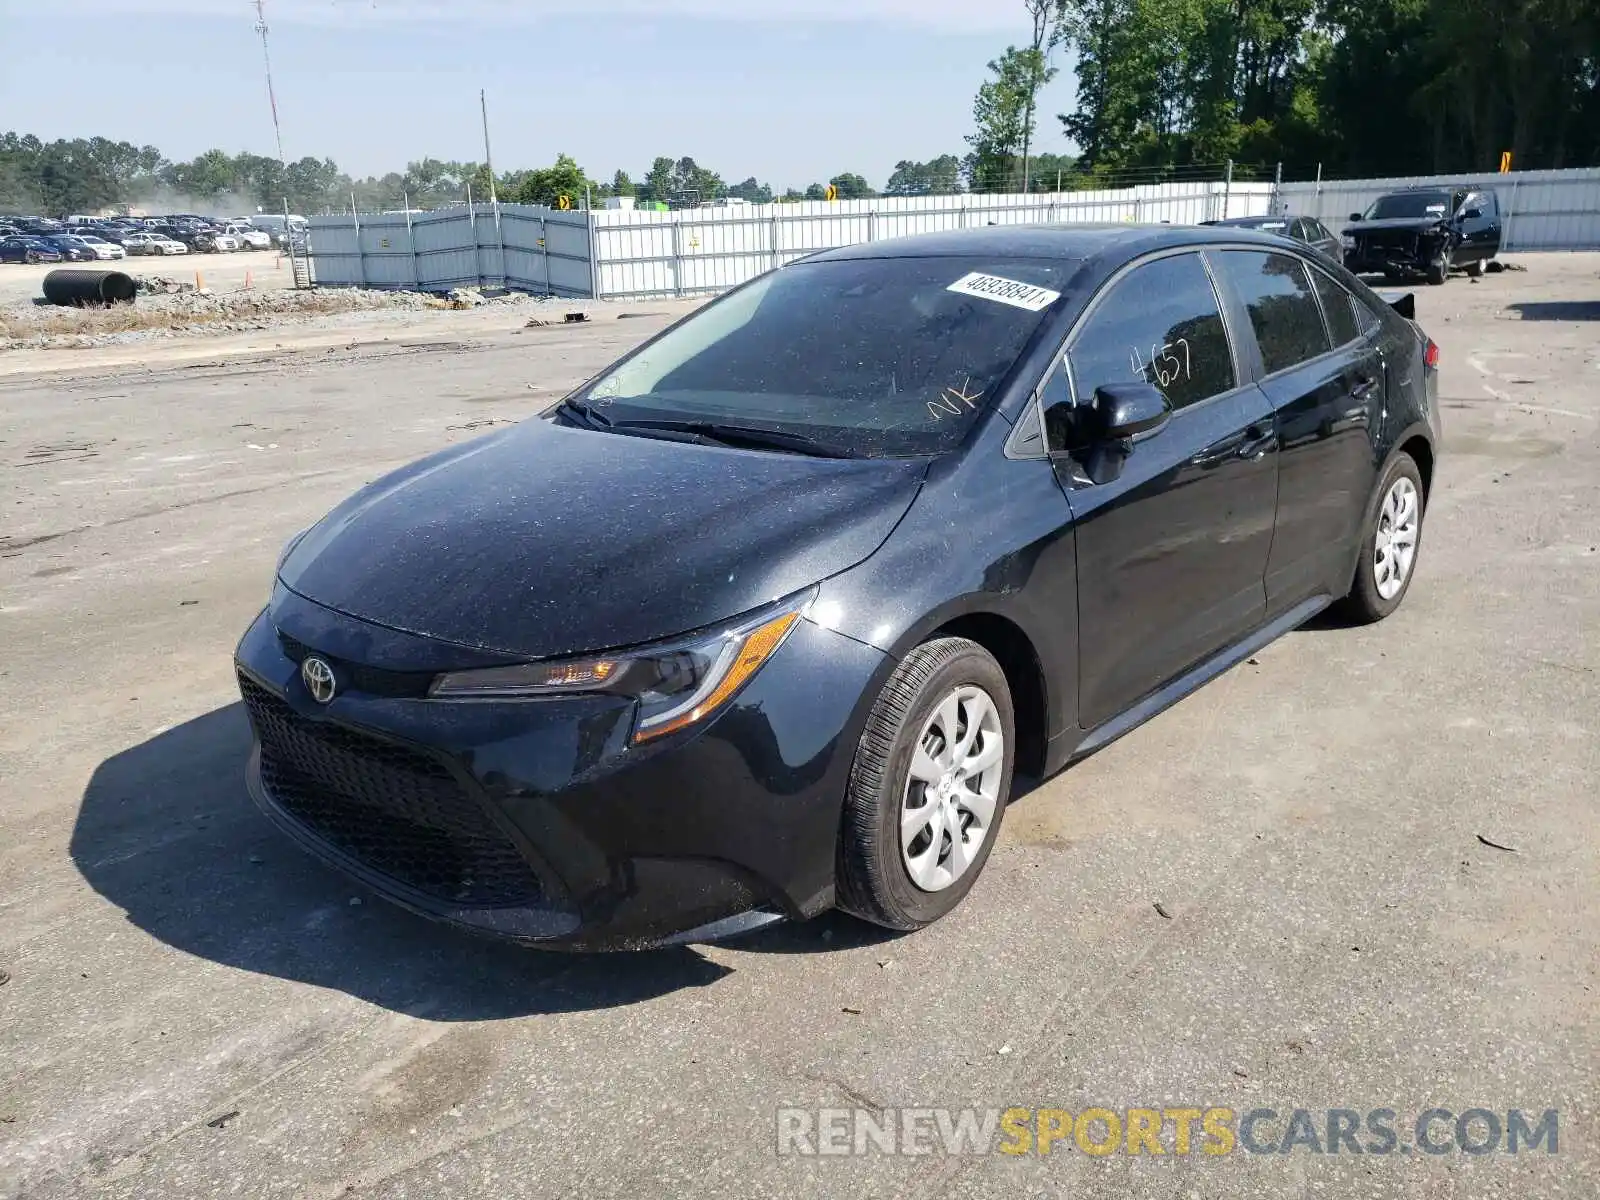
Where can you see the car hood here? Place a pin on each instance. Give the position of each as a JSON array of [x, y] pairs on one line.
[[1415, 224], [545, 540]]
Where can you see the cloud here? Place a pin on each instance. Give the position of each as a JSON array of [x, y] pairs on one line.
[[999, 17]]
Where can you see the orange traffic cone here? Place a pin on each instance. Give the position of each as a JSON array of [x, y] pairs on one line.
[[247, 281], [199, 281]]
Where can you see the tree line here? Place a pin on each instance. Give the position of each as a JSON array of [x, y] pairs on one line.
[[1165, 89], [90, 175], [1355, 88]]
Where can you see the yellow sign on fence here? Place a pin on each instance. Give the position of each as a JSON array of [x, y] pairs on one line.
[[1505, 162]]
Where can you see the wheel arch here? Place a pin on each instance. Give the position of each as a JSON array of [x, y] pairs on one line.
[[1014, 650]]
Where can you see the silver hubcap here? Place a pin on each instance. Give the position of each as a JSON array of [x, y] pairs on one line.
[[952, 790], [1395, 547]]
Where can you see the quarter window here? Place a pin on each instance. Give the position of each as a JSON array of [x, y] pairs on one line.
[[1338, 308], [1159, 324], [1283, 312]]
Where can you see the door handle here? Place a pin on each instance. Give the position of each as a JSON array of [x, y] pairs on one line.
[[1363, 385], [1258, 443]]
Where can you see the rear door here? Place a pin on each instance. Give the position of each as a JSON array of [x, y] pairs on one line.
[[1323, 378], [1172, 552]]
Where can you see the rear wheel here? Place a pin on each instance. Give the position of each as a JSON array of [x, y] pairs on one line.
[[1475, 268], [1389, 550], [928, 787]]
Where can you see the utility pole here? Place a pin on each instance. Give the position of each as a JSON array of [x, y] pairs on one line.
[[483, 103], [277, 130]]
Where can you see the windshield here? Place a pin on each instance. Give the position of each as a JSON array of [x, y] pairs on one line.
[[880, 357], [1409, 204]]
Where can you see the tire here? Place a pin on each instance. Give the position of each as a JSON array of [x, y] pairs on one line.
[[1475, 268], [1367, 601], [943, 681], [31, 258], [1439, 268]]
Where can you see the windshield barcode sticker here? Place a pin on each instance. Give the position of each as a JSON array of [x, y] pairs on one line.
[[1005, 291]]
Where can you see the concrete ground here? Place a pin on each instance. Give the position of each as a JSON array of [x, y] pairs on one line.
[[222, 272], [194, 1007]]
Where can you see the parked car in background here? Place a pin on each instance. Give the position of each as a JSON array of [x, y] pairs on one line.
[[153, 243], [1425, 231], [1302, 229], [103, 248], [250, 238], [1163, 447], [72, 247], [21, 248]]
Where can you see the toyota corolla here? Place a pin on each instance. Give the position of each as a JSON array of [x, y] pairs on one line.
[[763, 619]]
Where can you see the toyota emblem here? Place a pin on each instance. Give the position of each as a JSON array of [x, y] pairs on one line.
[[318, 678]]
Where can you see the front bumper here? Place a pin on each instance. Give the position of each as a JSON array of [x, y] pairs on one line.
[[535, 819]]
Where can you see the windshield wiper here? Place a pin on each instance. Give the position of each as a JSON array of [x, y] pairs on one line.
[[586, 415], [744, 436]]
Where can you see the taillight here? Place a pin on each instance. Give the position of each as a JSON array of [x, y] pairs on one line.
[[1430, 355]]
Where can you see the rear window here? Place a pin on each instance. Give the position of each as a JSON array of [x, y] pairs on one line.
[[1338, 307], [1283, 310], [880, 356]]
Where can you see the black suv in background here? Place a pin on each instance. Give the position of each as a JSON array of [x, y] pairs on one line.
[[1425, 231]]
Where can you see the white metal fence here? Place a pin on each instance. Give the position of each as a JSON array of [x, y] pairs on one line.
[[616, 253], [1539, 210], [700, 250]]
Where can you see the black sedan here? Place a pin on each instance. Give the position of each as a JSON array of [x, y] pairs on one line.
[[1301, 229], [763, 619], [23, 248]]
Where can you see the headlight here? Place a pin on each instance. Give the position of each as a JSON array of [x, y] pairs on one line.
[[1348, 242], [677, 684]]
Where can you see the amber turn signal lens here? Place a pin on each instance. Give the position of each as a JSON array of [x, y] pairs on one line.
[[758, 646]]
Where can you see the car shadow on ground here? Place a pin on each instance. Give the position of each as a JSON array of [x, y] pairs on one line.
[[167, 832], [1557, 310]]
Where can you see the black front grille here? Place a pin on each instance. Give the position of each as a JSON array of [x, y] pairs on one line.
[[1396, 242], [398, 811]]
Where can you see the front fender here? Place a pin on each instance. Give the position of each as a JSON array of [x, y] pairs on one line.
[[992, 537]]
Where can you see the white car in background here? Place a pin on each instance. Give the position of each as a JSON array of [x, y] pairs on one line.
[[225, 242], [103, 249], [153, 243], [249, 237]]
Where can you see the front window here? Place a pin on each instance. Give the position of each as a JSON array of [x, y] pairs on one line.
[[876, 357], [1409, 205]]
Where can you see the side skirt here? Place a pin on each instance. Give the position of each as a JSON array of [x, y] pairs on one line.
[[1068, 747]]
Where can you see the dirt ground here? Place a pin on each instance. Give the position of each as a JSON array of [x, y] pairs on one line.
[[195, 1007], [221, 272]]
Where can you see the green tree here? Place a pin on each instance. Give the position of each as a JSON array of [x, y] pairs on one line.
[[1001, 114], [850, 186], [755, 193], [939, 176], [547, 185], [816, 191], [658, 181], [621, 185]]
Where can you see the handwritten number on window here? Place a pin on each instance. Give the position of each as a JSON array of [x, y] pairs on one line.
[[1166, 365]]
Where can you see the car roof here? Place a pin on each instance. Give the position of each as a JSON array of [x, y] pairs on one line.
[[1251, 222], [1105, 246]]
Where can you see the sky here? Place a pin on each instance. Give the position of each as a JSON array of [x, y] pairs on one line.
[[790, 91]]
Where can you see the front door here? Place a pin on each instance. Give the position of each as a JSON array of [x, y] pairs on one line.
[[1171, 552]]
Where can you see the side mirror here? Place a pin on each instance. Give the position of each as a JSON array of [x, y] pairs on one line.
[[1128, 409], [1355, 216]]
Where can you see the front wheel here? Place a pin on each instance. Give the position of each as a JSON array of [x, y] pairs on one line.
[[31, 258], [928, 787], [1389, 550], [1439, 268]]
